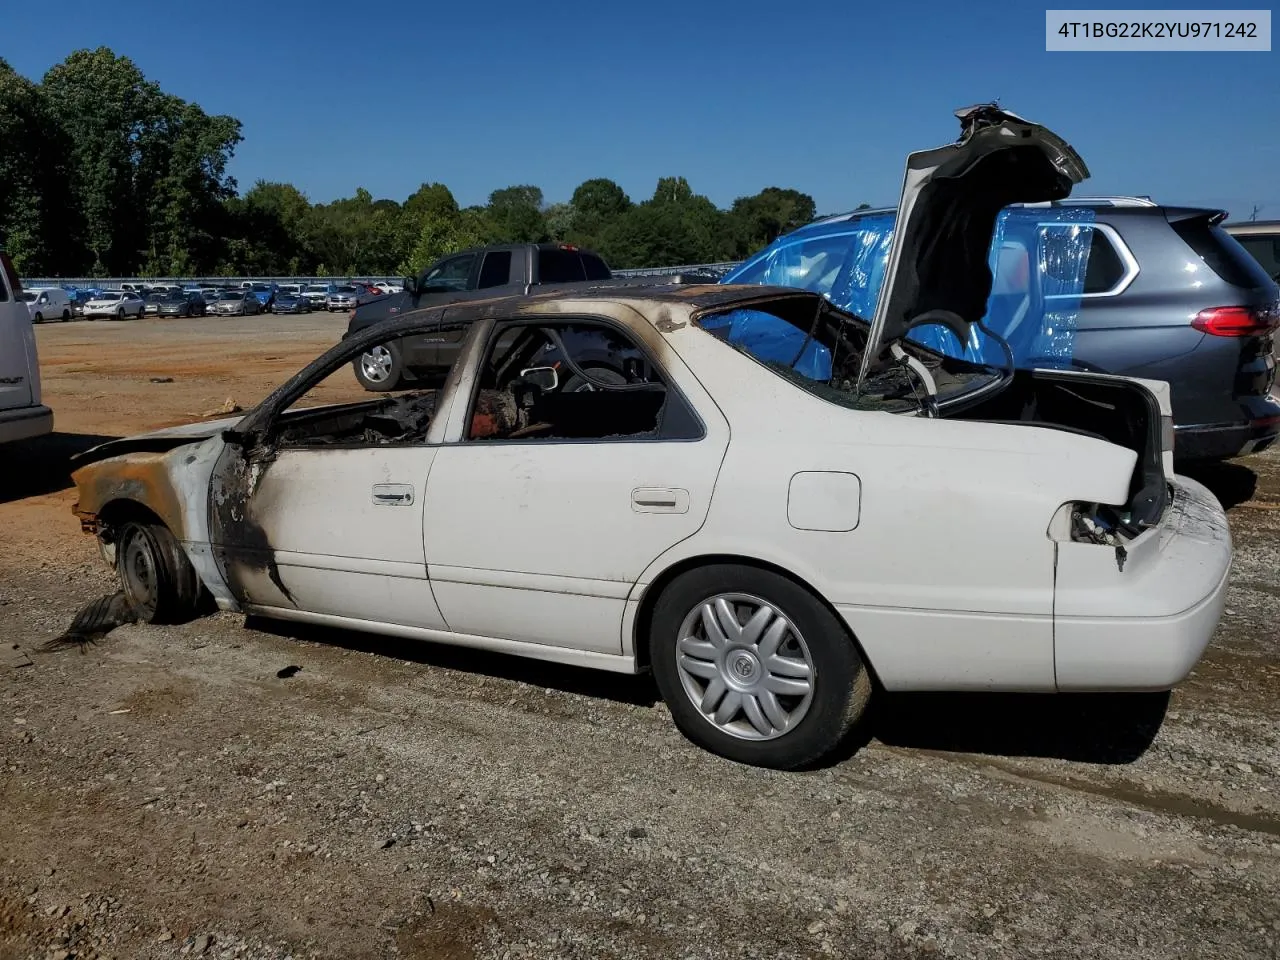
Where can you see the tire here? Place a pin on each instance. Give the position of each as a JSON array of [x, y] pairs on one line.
[[66, 315], [38, 318], [379, 368], [120, 314], [156, 576], [780, 718]]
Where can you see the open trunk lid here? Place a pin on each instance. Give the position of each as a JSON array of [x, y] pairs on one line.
[[937, 271]]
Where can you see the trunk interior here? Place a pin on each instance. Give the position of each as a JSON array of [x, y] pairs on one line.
[[1118, 412]]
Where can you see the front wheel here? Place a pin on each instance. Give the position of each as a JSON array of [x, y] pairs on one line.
[[379, 368], [158, 579], [120, 314], [38, 318], [755, 668]]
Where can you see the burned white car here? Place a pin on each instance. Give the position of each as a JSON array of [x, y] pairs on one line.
[[775, 506]]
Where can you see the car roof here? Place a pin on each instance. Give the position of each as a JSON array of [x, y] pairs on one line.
[[1248, 227], [650, 302]]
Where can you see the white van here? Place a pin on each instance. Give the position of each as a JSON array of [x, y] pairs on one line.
[[21, 413], [48, 303]]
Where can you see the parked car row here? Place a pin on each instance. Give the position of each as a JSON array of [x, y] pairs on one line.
[[133, 299]]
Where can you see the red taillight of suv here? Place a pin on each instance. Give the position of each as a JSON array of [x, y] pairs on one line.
[[1238, 321]]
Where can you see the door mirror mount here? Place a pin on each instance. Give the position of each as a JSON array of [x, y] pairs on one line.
[[411, 286]]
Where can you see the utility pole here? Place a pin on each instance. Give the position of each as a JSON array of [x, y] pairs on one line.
[[1254, 216]]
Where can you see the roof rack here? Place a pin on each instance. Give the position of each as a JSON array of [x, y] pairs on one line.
[[1117, 201]]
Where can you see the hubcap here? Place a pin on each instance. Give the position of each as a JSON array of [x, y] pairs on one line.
[[376, 364], [138, 573], [745, 666]]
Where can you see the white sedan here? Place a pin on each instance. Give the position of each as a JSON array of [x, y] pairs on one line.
[[775, 506], [116, 303]]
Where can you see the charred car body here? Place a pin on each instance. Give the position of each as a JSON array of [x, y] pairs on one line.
[[764, 492]]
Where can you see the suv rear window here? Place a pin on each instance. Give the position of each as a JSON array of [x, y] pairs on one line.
[[560, 266], [1220, 252]]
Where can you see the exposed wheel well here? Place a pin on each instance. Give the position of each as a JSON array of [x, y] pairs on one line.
[[116, 513], [644, 616]]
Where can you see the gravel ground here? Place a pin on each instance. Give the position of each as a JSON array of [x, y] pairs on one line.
[[167, 793]]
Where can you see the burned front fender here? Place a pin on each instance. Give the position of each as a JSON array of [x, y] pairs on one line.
[[173, 485]]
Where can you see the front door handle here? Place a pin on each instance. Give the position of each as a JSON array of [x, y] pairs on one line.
[[660, 500], [392, 494]]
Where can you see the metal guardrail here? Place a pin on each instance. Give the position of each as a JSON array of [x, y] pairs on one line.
[[115, 283]]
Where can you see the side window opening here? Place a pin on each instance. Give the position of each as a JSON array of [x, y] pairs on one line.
[[572, 381], [372, 420], [452, 274]]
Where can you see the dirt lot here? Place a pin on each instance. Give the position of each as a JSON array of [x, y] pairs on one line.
[[166, 794]]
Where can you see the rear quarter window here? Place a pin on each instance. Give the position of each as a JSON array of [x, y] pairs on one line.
[[495, 271], [560, 266], [1221, 253], [595, 268], [1104, 269]]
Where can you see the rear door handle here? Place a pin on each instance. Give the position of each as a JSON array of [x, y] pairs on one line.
[[392, 494], [660, 500]]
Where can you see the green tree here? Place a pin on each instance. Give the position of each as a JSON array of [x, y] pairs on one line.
[[444, 232], [600, 200], [515, 215], [32, 181], [759, 220]]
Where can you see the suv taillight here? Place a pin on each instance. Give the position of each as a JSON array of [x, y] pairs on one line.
[[1237, 321]]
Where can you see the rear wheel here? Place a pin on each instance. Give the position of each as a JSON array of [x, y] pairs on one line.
[[379, 368], [157, 578], [753, 667], [66, 315]]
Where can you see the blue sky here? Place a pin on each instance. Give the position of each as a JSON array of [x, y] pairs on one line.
[[825, 96]]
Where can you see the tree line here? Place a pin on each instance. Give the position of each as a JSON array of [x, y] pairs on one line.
[[102, 173]]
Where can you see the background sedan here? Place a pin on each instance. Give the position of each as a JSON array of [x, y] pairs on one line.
[[236, 303], [114, 303], [287, 302]]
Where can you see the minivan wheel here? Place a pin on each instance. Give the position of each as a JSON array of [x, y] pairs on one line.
[[158, 579], [753, 667], [38, 318], [66, 315], [379, 368]]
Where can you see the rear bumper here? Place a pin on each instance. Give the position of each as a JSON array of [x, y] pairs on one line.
[[1257, 429], [1143, 625], [25, 422]]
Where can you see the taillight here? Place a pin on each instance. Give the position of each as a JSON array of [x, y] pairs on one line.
[[1237, 321]]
